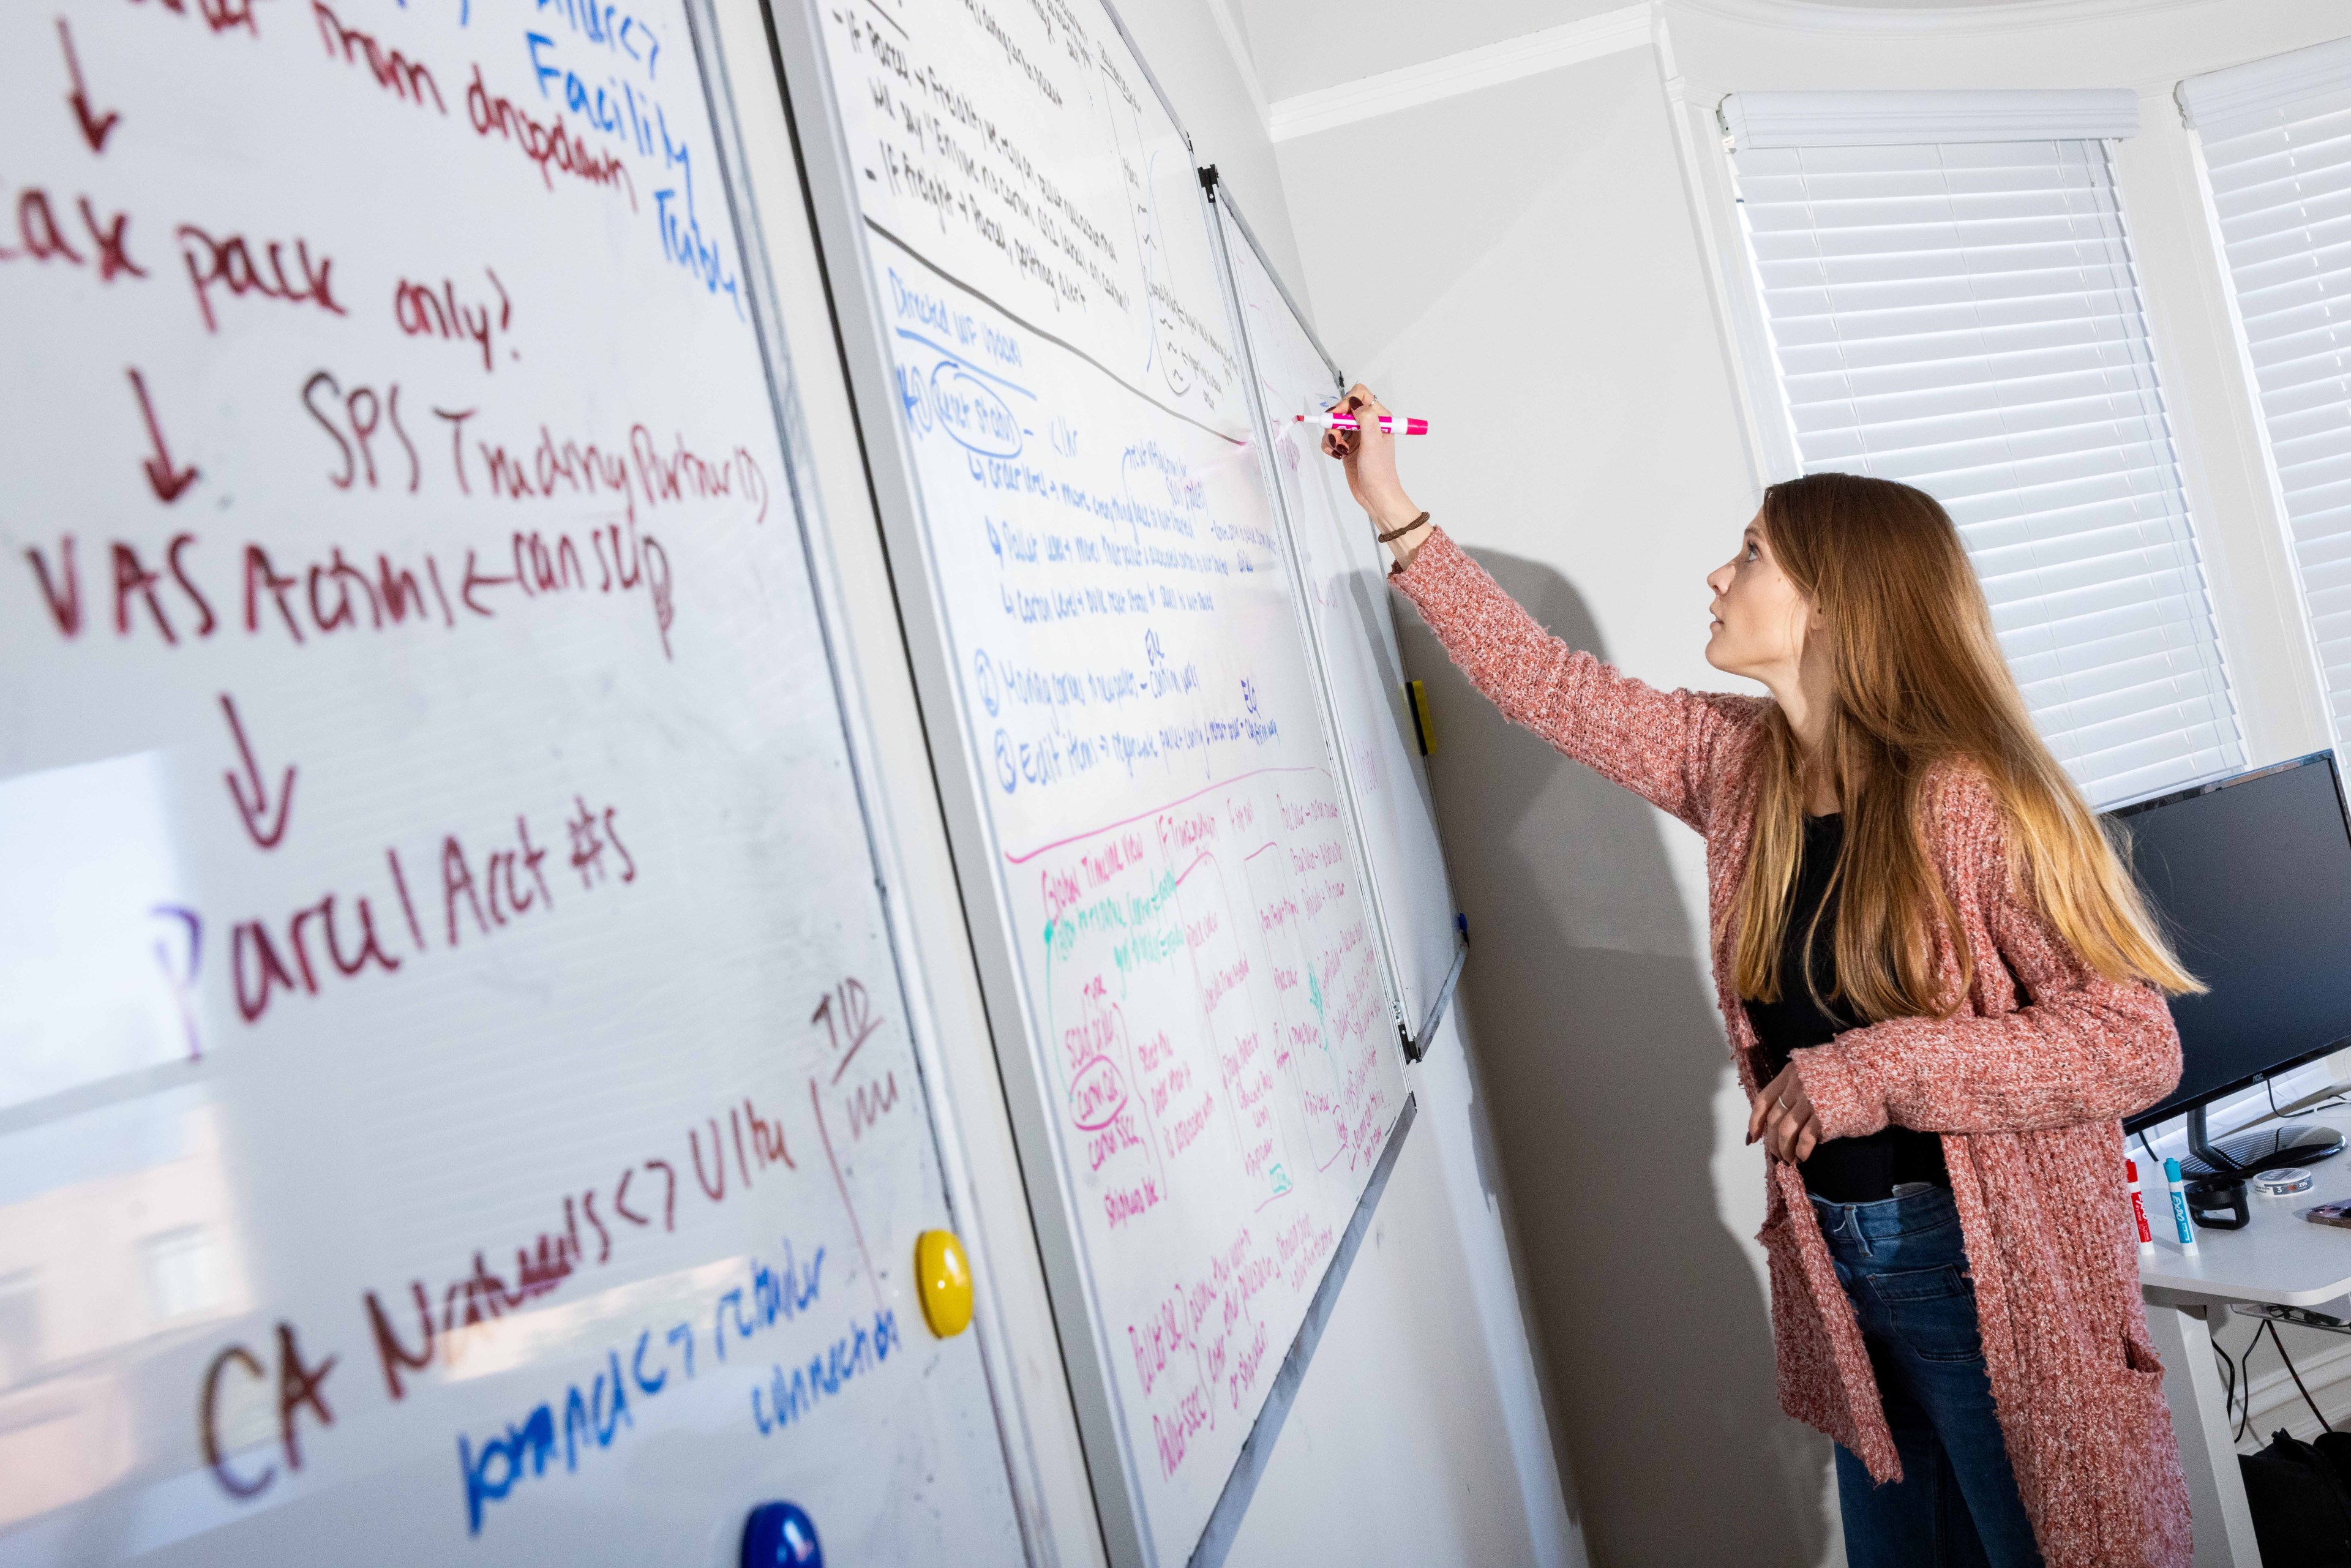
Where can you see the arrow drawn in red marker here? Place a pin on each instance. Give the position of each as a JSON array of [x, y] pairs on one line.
[[95, 128], [167, 480], [253, 810]]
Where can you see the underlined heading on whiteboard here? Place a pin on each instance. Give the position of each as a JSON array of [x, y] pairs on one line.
[[1062, 344]]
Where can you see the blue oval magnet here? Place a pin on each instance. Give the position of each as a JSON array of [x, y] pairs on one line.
[[779, 1535]]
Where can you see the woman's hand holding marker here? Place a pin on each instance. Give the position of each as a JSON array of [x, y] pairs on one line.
[[1369, 453]]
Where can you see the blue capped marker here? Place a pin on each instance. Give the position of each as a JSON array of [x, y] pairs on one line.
[[2171, 1180]]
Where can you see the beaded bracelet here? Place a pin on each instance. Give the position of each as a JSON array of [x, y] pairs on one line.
[[1394, 534]]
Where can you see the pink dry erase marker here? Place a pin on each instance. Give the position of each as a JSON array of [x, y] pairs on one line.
[[2138, 1208], [1394, 424]]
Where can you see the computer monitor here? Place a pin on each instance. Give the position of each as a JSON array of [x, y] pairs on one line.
[[2251, 877]]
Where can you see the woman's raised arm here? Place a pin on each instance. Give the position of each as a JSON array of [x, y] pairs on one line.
[[1661, 745]]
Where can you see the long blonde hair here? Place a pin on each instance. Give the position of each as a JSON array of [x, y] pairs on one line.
[[1919, 682]]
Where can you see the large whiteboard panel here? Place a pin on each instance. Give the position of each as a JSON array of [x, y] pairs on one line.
[[458, 1102], [1348, 602], [1195, 969]]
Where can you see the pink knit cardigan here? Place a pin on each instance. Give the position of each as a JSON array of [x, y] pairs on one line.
[[2026, 1083]]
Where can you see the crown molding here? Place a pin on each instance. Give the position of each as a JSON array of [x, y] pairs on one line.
[[1368, 98], [1228, 29]]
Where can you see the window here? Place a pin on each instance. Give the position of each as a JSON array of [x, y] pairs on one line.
[[2276, 136], [1951, 303], [183, 1271], [20, 1328]]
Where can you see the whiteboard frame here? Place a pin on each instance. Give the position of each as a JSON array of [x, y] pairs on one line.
[[1213, 197], [1014, 1444], [858, 317], [829, 178], [1220, 193], [1219, 197]]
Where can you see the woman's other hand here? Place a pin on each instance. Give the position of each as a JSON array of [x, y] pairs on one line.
[[1781, 1114], [1369, 454]]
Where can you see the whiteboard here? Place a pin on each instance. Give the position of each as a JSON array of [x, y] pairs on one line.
[[1191, 994], [458, 1102], [1347, 601]]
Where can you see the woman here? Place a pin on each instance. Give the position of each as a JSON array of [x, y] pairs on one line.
[[1946, 983]]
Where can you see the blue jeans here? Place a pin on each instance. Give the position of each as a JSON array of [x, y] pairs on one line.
[[1904, 1265]]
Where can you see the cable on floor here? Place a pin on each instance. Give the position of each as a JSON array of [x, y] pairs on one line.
[[2228, 1378], [2241, 1418], [2271, 1324], [2245, 1386]]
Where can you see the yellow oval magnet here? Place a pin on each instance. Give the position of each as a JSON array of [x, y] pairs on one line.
[[946, 1279]]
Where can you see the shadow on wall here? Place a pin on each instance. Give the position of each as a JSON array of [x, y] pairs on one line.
[[1602, 1065]]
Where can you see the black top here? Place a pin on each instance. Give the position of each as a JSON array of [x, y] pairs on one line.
[[1842, 1170]]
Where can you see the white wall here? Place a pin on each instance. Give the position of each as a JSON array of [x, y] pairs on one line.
[[1548, 266]]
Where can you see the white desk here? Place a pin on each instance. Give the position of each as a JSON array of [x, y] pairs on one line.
[[2280, 1259]]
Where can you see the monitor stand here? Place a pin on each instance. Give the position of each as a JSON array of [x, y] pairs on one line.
[[2268, 1148]]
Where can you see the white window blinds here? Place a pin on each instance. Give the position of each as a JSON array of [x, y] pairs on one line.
[[2277, 146], [1960, 314]]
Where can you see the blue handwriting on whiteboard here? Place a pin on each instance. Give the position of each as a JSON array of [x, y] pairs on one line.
[[611, 106], [971, 412], [591, 1415], [608, 25], [791, 1397], [682, 241], [773, 1296], [913, 303]]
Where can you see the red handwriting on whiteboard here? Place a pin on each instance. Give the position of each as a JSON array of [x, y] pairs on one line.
[[554, 148], [422, 310], [572, 467], [336, 593], [848, 1019], [1202, 1347], [592, 836], [167, 481], [594, 1219], [871, 1100], [255, 808], [42, 236], [218, 15], [95, 128], [484, 890], [393, 71], [301, 1386], [233, 264], [62, 591], [364, 413]]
